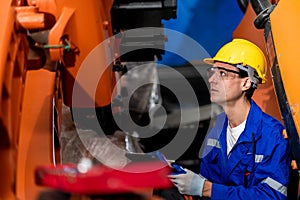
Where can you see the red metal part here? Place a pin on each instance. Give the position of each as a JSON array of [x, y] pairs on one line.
[[104, 180]]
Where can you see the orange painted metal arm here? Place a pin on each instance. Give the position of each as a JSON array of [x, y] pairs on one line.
[[285, 31], [57, 32], [35, 146]]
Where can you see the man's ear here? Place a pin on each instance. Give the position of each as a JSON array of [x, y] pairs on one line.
[[246, 84]]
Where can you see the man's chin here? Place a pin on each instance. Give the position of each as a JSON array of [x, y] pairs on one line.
[[217, 101]]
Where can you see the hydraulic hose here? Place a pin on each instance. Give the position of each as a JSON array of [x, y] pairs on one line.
[[243, 4], [262, 8]]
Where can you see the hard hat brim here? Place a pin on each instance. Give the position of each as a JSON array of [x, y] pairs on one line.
[[209, 61]]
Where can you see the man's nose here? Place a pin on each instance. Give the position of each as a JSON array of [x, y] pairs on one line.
[[213, 78]]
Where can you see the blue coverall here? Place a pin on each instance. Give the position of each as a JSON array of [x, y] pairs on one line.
[[257, 166]]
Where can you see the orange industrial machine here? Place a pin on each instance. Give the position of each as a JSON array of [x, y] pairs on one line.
[[43, 43], [31, 87], [281, 49]]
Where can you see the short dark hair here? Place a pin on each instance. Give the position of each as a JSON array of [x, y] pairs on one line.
[[250, 91]]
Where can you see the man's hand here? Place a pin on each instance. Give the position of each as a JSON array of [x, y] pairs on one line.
[[189, 183]]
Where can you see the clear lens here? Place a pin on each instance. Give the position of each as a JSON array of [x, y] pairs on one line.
[[221, 73]]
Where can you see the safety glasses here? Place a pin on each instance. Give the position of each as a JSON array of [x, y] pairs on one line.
[[222, 73]]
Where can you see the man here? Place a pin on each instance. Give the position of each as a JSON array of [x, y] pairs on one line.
[[245, 155]]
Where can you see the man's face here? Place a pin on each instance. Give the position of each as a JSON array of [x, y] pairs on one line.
[[225, 83]]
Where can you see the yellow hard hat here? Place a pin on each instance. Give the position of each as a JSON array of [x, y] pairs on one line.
[[244, 53]]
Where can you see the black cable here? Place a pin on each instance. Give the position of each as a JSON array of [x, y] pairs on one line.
[[243, 4]]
